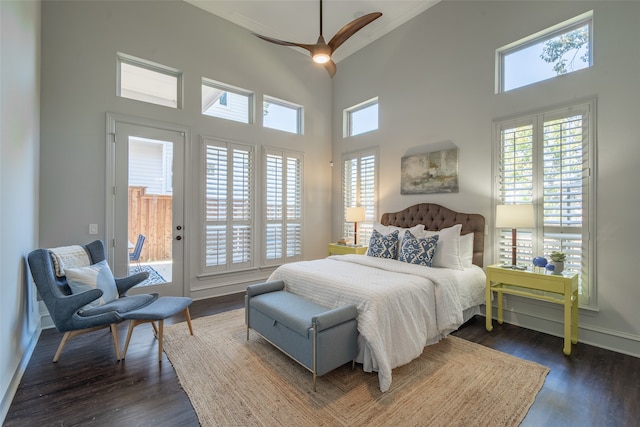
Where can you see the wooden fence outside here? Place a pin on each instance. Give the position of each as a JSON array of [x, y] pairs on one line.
[[151, 215]]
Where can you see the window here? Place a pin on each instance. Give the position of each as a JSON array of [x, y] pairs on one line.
[[281, 115], [360, 188], [562, 49], [546, 160], [282, 206], [361, 118], [145, 81], [150, 165], [226, 102], [228, 207]]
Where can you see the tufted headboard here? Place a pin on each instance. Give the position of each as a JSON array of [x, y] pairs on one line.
[[436, 217]]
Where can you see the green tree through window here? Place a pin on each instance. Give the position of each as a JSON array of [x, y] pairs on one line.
[[565, 49]]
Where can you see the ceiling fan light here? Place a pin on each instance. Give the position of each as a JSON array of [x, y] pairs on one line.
[[321, 58]]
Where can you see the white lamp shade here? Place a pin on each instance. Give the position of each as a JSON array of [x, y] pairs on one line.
[[514, 216], [355, 214]]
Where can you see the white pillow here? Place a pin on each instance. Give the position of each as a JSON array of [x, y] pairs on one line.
[[416, 230], [466, 250], [448, 251], [96, 276]]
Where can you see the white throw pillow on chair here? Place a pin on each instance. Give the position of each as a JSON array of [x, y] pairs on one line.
[[96, 276]]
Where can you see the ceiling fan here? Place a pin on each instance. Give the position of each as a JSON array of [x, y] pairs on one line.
[[321, 51]]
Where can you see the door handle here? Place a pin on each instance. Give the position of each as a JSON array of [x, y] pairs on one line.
[[178, 237]]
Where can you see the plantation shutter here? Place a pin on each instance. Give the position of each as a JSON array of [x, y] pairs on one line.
[[283, 207], [294, 207], [565, 179], [273, 208], [228, 243], [360, 188], [545, 160], [242, 207], [515, 184]]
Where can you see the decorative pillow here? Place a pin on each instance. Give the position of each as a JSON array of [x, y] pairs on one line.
[[466, 250], [417, 251], [383, 246], [416, 230], [96, 276], [448, 251]]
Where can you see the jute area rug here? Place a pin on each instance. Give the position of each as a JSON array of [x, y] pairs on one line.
[[234, 382]]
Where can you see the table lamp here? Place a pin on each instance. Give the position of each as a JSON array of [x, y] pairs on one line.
[[354, 215], [514, 216]]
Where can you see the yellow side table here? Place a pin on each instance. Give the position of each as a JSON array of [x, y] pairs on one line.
[[563, 287], [336, 249]]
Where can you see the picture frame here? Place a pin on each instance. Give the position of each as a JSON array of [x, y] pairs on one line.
[[429, 173]]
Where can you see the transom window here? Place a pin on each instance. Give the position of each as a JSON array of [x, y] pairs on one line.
[[561, 49], [149, 82], [361, 118], [282, 115], [546, 160], [226, 102]]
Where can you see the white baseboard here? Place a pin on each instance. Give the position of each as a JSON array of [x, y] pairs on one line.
[[11, 390]]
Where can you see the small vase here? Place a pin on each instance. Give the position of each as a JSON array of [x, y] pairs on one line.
[[558, 266]]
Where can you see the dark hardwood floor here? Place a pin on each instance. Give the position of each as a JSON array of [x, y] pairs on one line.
[[592, 387]]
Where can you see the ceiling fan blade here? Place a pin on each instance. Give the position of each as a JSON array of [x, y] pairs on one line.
[[308, 47], [351, 28], [330, 66]]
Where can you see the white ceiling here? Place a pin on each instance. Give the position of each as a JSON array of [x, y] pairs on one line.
[[299, 20]]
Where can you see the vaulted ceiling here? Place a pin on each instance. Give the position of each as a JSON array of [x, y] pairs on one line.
[[298, 20]]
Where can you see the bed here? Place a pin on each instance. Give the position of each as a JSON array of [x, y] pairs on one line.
[[402, 307]]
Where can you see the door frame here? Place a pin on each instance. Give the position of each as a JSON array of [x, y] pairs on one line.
[[111, 121]]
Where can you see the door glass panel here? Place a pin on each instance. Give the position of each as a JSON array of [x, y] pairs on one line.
[[150, 202]]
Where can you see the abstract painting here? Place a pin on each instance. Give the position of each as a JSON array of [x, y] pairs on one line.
[[435, 172]]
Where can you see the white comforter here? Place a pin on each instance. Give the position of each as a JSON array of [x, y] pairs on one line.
[[401, 307]]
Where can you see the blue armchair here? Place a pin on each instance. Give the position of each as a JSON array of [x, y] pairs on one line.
[[66, 308]]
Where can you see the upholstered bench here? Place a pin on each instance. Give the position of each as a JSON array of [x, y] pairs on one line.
[[160, 309], [319, 338]]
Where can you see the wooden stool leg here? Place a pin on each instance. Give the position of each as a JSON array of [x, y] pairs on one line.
[[188, 316], [160, 336], [116, 343], [132, 324], [155, 329]]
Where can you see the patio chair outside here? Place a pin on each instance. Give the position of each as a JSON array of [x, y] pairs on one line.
[[137, 250]]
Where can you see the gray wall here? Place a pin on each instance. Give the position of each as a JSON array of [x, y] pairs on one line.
[[435, 80], [19, 145], [80, 42]]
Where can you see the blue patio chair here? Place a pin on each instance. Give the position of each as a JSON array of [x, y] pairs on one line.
[[135, 255]]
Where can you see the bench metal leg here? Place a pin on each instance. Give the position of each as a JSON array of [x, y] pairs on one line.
[[315, 354]]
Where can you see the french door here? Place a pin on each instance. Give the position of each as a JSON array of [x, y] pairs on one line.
[[145, 221]]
